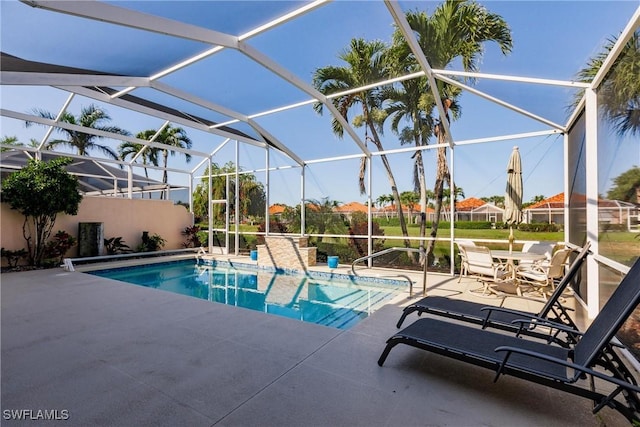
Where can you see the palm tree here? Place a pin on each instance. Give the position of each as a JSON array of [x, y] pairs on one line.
[[322, 217], [619, 94], [412, 102], [409, 200], [90, 117], [382, 201], [148, 156], [174, 137], [366, 65], [455, 31], [10, 140]]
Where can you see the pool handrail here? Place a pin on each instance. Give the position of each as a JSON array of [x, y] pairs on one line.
[[400, 249]]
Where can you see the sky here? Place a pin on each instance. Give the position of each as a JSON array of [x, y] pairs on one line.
[[552, 40]]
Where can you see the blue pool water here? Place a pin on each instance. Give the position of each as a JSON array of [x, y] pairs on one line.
[[337, 304]]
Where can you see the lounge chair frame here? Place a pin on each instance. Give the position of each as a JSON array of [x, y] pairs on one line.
[[542, 363], [502, 318]]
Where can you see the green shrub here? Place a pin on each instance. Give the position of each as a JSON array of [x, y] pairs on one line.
[[539, 227], [150, 243], [13, 257], [613, 227], [346, 253], [116, 245], [193, 237], [359, 227], [56, 248]]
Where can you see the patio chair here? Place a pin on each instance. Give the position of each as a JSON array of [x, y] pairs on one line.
[[502, 317], [568, 369], [480, 264], [464, 264], [542, 277], [542, 248]]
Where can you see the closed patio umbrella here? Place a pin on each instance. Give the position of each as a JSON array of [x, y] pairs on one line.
[[513, 196]]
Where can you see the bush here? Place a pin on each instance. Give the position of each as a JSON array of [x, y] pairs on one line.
[[13, 257], [346, 253], [150, 243], [275, 226], [193, 237], [115, 246], [359, 226], [55, 249], [539, 227], [613, 227]]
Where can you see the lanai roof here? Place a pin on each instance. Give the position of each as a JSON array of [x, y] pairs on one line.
[[240, 70]]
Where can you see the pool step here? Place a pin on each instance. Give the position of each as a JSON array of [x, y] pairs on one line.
[[354, 311]]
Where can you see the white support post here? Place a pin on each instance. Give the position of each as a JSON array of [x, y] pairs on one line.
[[226, 215], [369, 212], [237, 201], [130, 182], [567, 230], [452, 203], [266, 191], [591, 161], [303, 211], [210, 204], [191, 192]]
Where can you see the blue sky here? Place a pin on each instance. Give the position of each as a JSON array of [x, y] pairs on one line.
[[552, 40]]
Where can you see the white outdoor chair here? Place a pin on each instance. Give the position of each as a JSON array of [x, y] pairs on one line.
[[464, 265], [542, 248], [542, 278], [480, 264]]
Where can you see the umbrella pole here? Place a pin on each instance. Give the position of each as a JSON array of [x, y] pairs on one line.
[[511, 238]]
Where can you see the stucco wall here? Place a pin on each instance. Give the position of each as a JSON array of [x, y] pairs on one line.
[[126, 218]]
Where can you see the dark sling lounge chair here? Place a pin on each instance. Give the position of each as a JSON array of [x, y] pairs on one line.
[[501, 317], [569, 370]]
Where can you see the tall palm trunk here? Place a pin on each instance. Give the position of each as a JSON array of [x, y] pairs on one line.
[[442, 175], [165, 175], [392, 183], [422, 183]]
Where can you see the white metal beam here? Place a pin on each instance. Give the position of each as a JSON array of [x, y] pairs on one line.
[[130, 18], [155, 113], [626, 34], [502, 103], [92, 131], [502, 77], [25, 78], [266, 62]]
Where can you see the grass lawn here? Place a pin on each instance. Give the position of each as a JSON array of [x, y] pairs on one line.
[[471, 234], [623, 247]]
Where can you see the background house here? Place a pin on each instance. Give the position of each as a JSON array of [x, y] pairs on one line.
[[612, 213]]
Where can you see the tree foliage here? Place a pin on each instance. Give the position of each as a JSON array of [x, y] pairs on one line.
[[252, 193], [455, 31], [619, 93], [91, 116], [626, 186], [40, 191]]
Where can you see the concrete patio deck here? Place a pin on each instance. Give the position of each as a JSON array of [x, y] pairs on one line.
[[112, 354]]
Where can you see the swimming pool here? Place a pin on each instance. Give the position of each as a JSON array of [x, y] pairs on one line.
[[338, 304]]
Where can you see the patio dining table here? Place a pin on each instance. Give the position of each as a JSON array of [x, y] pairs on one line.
[[511, 257]]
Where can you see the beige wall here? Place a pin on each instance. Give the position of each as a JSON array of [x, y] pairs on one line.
[[126, 218]]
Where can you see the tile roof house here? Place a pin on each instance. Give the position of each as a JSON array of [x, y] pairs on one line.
[[551, 210]]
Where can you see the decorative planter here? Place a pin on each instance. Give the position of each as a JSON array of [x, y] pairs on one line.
[[254, 255], [332, 261]]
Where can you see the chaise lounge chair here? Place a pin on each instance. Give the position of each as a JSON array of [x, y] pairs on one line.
[[569, 370], [501, 317]]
